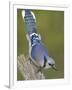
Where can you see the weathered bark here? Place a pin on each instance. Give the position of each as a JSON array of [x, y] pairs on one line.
[[27, 69]]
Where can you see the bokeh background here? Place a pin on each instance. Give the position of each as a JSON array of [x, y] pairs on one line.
[[50, 25]]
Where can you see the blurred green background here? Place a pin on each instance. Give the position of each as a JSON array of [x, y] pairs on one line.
[[50, 25]]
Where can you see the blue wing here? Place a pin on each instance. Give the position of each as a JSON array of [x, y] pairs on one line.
[[39, 54]]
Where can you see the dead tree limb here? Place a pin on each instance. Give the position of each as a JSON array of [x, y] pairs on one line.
[[27, 69]]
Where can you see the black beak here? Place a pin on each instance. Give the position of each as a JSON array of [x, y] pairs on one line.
[[54, 67]]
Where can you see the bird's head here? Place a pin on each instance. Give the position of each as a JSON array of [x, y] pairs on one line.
[[50, 63]]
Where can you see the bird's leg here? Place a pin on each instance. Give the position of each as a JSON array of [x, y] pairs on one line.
[[30, 59], [39, 70]]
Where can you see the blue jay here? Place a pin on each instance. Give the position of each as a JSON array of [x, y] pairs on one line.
[[37, 51]]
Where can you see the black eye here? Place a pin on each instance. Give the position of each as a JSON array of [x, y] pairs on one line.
[[50, 64]]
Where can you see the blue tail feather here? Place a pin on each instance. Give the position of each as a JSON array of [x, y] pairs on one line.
[[30, 22]]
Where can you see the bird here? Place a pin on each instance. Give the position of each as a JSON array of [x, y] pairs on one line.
[[37, 51]]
